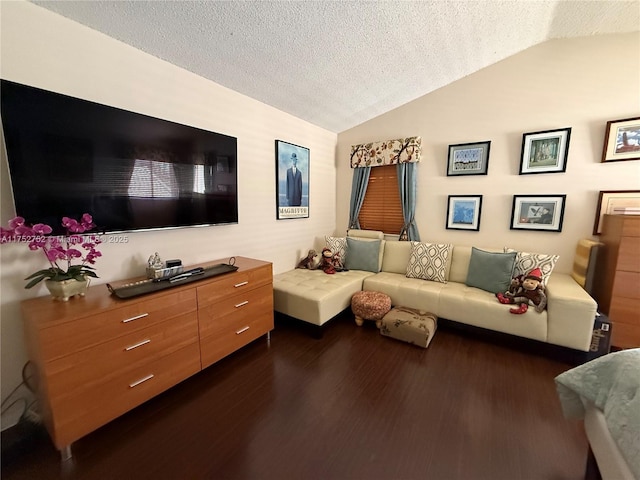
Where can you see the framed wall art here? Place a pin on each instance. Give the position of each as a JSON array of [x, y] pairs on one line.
[[545, 152], [620, 202], [463, 212], [468, 159], [292, 181], [622, 140], [538, 212]]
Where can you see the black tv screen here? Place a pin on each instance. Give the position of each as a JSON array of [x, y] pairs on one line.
[[130, 171]]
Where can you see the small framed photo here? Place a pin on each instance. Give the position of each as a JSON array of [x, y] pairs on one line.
[[616, 202], [538, 212], [468, 159], [622, 140], [292, 181], [463, 212], [545, 152]]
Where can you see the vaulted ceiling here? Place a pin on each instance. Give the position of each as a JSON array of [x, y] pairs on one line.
[[337, 64]]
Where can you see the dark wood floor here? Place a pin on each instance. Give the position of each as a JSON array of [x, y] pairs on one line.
[[353, 405]]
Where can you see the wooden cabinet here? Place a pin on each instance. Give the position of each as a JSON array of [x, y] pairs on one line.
[[617, 282], [234, 311], [97, 356]]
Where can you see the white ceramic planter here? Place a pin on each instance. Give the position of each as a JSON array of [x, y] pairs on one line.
[[65, 289]]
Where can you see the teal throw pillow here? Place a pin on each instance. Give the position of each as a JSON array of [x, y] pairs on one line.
[[363, 255], [490, 271]]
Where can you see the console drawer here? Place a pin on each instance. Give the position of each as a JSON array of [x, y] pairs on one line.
[[234, 283], [232, 313], [65, 338], [116, 357], [222, 343], [85, 409]]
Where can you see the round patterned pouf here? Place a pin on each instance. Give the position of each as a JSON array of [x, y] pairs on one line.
[[370, 306]]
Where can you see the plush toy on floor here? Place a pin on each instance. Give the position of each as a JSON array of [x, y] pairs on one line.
[[528, 291], [311, 261]]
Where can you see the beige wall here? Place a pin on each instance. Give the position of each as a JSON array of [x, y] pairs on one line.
[[46, 50], [579, 83]]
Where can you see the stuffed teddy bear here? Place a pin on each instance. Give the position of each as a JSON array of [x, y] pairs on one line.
[[311, 261], [530, 291]]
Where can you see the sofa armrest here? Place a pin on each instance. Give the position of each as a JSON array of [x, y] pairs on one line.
[[570, 311]]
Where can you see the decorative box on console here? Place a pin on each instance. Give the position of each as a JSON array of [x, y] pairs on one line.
[[156, 273], [601, 339], [157, 269]]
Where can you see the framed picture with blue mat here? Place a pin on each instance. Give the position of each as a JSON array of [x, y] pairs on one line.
[[463, 212]]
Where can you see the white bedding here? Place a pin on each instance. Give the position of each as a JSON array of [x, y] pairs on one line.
[[612, 384], [611, 463]]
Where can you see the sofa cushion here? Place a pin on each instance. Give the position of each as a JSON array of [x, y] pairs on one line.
[[490, 271], [584, 263], [525, 262], [408, 292], [363, 255], [429, 261], [479, 308], [396, 256], [372, 234], [314, 296]]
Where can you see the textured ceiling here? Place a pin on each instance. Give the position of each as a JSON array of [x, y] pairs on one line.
[[338, 64]]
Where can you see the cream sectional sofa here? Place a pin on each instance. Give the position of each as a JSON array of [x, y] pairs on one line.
[[316, 297]]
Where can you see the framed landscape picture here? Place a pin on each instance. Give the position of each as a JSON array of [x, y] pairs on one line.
[[463, 212], [622, 140], [538, 212], [617, 202], [468, 159], [292, 181], [545, 152]]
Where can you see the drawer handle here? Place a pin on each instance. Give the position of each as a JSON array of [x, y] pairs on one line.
[[242, 304], [242, 330], [240, 284], [142, 380], [139, 344], [137, 317]]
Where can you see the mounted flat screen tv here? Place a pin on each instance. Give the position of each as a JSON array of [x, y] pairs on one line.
[[129, 171]]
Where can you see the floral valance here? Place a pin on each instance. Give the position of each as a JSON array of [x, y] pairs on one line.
[[390, 152]]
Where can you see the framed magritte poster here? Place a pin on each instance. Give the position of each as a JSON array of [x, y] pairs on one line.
[[292, 181]]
